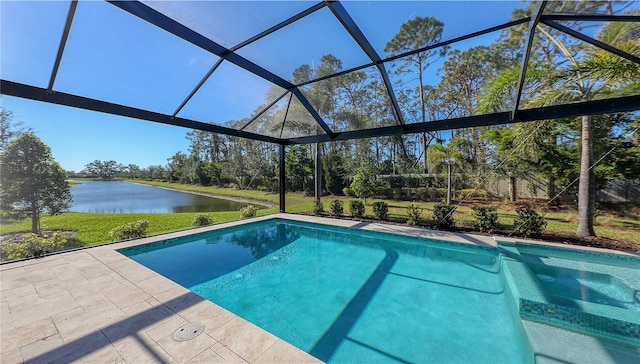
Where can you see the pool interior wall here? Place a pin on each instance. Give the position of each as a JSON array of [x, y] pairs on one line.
[[449, 302]]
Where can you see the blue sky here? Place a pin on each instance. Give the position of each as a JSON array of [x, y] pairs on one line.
[[112, 56]]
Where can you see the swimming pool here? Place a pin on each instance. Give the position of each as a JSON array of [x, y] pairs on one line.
[[347, 295]]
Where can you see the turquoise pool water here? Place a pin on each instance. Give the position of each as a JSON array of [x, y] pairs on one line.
[[353, 296], [349, 296]]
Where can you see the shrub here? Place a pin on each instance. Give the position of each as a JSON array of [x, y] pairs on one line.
[[472, 192], [336, 208], [363, 182], [202, 220], [443, 216], [382, 192], [381, 210], [356, 208], [348, 192], [34, 245], [318, 208], [132, 230], [415, 215], [248, 211], [529, 223], [486, 219]]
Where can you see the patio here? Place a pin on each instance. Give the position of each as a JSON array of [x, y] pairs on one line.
[[96, 305]]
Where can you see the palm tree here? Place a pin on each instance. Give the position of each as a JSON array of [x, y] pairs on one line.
[[587, 75], [449, 156], [597, 72]]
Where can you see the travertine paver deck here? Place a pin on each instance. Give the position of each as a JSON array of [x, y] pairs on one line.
[[96, 305]]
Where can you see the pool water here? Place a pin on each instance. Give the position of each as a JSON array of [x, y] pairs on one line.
[[586, 286], [588, 277], [348, 296]]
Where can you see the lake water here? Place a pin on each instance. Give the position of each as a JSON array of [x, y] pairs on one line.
[[124, 197]]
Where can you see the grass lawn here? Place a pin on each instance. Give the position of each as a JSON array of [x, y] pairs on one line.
[[93, 228]]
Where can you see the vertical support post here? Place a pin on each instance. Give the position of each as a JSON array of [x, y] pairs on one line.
[[283, 180], [449, 183], [318, 174]]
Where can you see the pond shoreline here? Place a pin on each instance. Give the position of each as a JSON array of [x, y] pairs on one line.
[[205, 194]]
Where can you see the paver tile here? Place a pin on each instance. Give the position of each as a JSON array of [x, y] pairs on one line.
[[207, 313], [16, 293], [155, 285], [12, 278], [178, 298], [41, 347], [41, 307], [135, 322], [283, 352], [18, 333], [74, 324], [227, 355], [165, 328], [126, 295], [39, 275], [49, 287], [13, 356], [183, 351], [11, 266], [140, 349], [81, 259], [94, 271], [90, 348], [243, 337], [66, 272]]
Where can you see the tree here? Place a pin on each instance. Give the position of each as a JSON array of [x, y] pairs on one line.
[[106, 170], [8, 129], [608, 73], [363, 181], [563, 71], [299, 168], [415, 34], [449, 156], [507, 157], [31, 181], [464, 75], [178, 168], [333, 172]]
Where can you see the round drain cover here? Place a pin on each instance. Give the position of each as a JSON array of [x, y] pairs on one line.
[[188, 331], [546, 278]]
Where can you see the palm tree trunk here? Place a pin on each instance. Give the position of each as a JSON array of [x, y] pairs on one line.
[[586, 182]]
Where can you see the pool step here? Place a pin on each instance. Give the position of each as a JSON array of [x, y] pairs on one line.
[[590, 318]]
